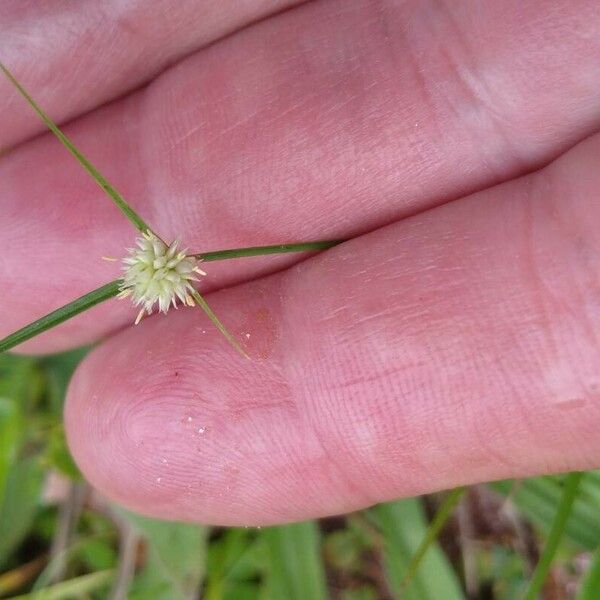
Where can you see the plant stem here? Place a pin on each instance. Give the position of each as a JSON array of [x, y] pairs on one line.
[[439, 520], [262, 250], [112, 289], [203, 304], [60, 315], [563, 511], [85, 163]]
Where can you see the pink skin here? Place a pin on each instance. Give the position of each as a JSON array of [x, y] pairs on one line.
[[452, 346]]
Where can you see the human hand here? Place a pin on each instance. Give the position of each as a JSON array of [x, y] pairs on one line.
[[452, 340]]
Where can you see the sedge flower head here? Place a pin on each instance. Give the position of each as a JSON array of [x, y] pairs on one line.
[[157, 273]]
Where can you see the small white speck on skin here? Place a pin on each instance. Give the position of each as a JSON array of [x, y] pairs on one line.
[[189, 419], [247, 336], [201, 429], [164, 461], [158, 479]]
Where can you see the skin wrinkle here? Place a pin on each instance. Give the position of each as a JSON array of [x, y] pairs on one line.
[[370, 475], [541, 209], [318, 389], [111, 84], [579, 247]]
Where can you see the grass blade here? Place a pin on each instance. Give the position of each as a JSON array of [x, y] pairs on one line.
[[203, 304], [538, 499], [60, 315], [73, 588], [11, 426], [556, 533], [262, 250], [295, 567], [433, 531], [112, 289], [19, 505], [85, 163], [403, 526], [174, 559]]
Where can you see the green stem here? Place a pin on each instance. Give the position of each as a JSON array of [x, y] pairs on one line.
[[262, 250], [112, 289], [203, 304], [439, 520], [60, 315], [85, 163], [557, 530]]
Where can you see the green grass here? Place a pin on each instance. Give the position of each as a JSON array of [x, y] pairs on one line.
[[411, 549]]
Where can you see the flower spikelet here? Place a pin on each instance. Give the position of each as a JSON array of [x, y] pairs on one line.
[[155, 272]]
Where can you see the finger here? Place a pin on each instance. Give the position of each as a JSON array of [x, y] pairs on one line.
[[319, 123], [78, 55], [458, 346]]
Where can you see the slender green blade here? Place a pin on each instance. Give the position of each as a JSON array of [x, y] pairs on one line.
[[60, 315], [19, 504], [262, 250], [556, 534], [11, 426], [175, 559], [433, 531], [85, 163], [234, 562], [295, 567], [73, 588], [411, 552], [203, 304], [538, 499]]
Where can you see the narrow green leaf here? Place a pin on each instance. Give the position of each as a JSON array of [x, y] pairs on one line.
[[57, 371], [538, 499], [203, 304], [295, 569], [404, 529], [73, 588], [563, 512], [232, 561], [262, 250], [112, 289], [19, 505], [76, 550], [175, 562], [60, 315], [58, 455], [433, 531], [11, 425], [83, 161]]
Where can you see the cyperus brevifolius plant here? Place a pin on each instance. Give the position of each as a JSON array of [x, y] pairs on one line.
[[156, 274]]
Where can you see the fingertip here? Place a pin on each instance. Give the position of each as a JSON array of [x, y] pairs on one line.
[[168, 420]]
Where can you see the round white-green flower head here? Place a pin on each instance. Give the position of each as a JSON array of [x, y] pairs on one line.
[[157, 273]]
